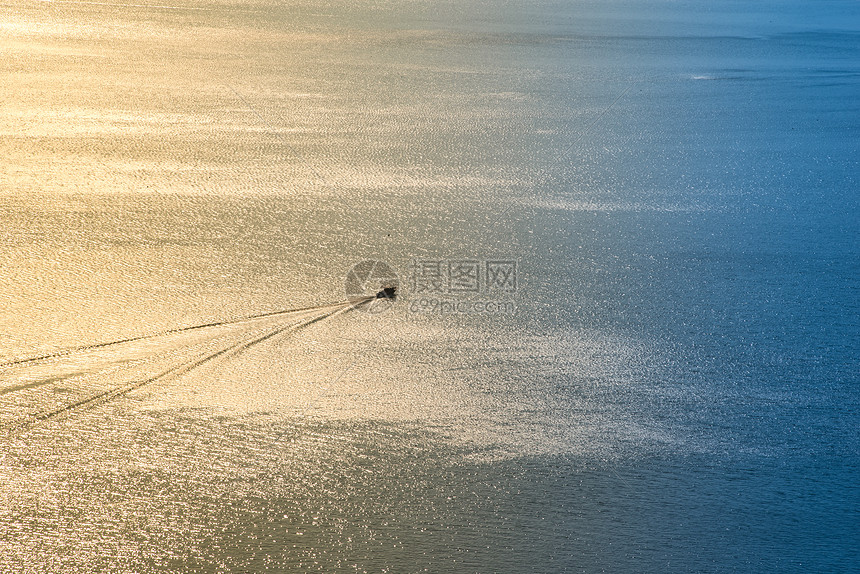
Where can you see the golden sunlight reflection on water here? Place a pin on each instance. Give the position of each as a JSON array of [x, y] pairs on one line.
[[339, 440], [191, 163]]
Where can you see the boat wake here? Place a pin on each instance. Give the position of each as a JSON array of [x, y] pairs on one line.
[[46, 387]]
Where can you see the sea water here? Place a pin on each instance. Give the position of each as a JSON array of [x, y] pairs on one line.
[[625, 238]]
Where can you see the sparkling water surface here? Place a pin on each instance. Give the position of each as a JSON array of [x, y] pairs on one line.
[[675, 390]]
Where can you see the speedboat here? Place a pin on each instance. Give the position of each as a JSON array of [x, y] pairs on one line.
[[387, 293]]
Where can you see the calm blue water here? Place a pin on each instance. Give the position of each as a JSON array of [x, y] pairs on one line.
[[676, 391]]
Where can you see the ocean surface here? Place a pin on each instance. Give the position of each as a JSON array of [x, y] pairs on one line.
[[626, 243]]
